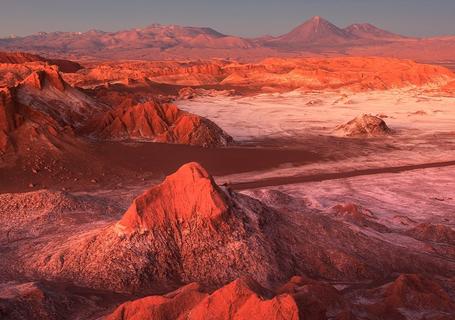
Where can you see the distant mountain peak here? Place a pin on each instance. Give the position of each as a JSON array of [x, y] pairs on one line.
[[369, 31], [316, 30]]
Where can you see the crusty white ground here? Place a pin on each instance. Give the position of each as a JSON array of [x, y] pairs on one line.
[[423, 124]]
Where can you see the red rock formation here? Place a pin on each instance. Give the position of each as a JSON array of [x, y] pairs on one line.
[[433, 232], [42, 78], [188, 194], [23, 57], [364, 126], [237, 300], [42, 110], [19, 57], [7, 119], [355, 73], [19, 124], [157, 122], [45, 91], [175, 305], [186, 229], [189, 230], [189, 93], [280, 74], [300, 298]]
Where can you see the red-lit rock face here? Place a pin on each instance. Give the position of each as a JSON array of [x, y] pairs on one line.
[[183, 230], [238, 300], [300, 298], [47, 77], [20, 125], [157, 122], [41, 110], [280, 74], [187, 195], [7, 119]]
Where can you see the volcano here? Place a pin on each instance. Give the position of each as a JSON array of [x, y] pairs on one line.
[[316, 31]]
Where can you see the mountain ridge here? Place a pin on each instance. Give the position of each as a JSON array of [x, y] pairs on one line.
[[316, 36]]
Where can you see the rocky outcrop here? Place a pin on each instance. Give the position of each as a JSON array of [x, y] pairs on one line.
[[23, 57], [44, 98], [188, 229], [189, 194], [7, 119], [42, 110], [43, 78], [356, 74], [433, 232], [153, 121], [364, 126], [178, 229], [45, 90], [409, 296], [19, 57], [241, 299], [20, 124], [190, 93]]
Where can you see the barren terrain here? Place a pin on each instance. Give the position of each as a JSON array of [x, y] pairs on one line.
[[316, 188]]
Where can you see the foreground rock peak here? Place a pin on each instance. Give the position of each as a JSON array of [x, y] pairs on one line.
[[188, 194], [240, 299]]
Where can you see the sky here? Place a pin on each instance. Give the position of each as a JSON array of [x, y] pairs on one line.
[[248, 18]]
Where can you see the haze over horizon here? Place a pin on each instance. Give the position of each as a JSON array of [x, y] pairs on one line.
[[249, 18]]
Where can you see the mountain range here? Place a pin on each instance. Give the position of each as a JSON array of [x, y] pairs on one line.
[[162, 42]]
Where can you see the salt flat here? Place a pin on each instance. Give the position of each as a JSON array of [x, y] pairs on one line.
[[423, 127], [408, 111]]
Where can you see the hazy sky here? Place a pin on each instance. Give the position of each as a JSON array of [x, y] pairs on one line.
[[238, 17]]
